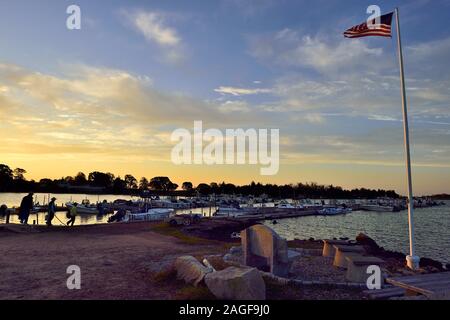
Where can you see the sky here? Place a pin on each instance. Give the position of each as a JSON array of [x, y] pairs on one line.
[[107, 97]]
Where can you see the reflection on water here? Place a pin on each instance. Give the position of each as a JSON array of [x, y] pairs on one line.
[[388, 229], [14, 199], [60, 219]]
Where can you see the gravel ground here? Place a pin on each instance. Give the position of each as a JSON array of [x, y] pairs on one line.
[[312, 268]]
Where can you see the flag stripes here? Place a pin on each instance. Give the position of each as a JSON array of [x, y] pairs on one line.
[[384, 29]]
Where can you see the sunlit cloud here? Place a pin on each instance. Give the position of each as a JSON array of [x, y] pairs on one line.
[[155, 29], [241, 91]]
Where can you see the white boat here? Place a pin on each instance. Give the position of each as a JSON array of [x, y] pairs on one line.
[[85, 207], [333, 211], [231, 212], [287, 205], [171, 204], [155, 214]]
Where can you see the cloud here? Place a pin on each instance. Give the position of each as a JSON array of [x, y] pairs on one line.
[[155, 29], [378, 117], [241, 91], [104, 113], [88, 109], [289, 48]]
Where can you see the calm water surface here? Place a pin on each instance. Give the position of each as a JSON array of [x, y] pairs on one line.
[[14, 199], [388, 229]]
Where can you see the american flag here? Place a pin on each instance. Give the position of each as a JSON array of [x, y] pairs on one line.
[[382, 30]]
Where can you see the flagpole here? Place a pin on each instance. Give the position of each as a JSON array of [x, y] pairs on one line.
[[412, 260]]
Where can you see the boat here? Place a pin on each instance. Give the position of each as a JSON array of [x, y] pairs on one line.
[[155, 214], [333, 211], [233, 211], [85, 207], [287, 205], [377, 208], [171, 204]]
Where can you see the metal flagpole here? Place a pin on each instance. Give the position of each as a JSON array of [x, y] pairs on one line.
[[411, 260]]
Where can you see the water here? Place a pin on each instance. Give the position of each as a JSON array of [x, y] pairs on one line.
[[388, 229], [14, 199]]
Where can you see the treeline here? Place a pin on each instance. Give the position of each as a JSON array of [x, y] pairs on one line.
[[101, 182]]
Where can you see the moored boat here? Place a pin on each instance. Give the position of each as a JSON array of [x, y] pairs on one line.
[[155, 214], [85, 207]]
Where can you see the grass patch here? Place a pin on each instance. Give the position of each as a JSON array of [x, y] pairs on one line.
[[166, 229]]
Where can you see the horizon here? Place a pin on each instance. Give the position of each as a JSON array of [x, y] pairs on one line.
[[107, 97]]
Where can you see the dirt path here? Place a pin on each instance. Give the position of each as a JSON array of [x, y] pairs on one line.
[[116, 262]]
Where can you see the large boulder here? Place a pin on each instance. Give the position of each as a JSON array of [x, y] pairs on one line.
[[190, 269], [236, 284], [370, 244]]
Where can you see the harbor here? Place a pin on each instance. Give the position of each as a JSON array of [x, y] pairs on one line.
[[231, 150], [303, 219], [216, 206]]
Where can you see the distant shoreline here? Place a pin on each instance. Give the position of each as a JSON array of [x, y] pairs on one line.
[[183, 193]]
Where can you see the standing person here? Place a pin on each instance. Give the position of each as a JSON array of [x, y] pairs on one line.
[[25, 207], [73, 214], [51, 211]]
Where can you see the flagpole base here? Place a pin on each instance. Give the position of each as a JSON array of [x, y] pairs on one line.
[[412, 262]]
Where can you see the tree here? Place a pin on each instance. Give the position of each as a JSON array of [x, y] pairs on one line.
[[101, 179], [172, 187], [187, 186], [162, 184], [80, 179], [214, 187], [130, 181], [19, 174], [203, 188], [143, 183], [119, 185], [6, 177], [69, 180]]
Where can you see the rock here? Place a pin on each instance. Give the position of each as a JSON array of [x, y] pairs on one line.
[[190, 269], [236, 250], [236, 284], [368, 242], [228, 257], [447, 266], [426, 262]]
